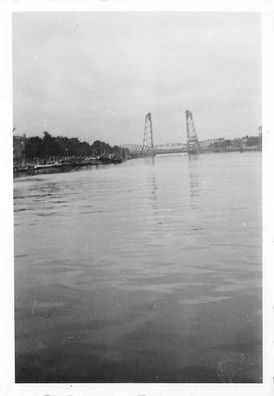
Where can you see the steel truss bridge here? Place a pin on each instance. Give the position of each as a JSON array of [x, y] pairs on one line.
[[167, 148], [149, 149]]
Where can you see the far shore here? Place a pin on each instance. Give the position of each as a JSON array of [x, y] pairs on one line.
[[59, 167]]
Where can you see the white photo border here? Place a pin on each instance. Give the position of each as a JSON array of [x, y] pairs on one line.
[[8, 387]]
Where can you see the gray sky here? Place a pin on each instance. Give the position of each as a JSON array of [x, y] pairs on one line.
[[96, 75]]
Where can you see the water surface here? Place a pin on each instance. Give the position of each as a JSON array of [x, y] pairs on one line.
[[148, 271]]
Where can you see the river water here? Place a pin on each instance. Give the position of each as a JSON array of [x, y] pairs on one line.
[[147, 271]]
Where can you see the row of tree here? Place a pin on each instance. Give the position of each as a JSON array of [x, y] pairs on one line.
[[50, 147]]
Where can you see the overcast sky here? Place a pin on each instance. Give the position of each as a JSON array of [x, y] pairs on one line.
[[96, 75]]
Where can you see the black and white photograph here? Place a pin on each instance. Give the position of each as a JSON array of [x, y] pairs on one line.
[[137, 197]]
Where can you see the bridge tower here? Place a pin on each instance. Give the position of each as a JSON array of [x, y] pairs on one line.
[[148, 136], [192, 139]]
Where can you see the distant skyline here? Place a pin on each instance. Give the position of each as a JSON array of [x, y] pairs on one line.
[[96, 75]]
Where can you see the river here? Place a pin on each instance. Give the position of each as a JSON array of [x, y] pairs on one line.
[[147, 271]]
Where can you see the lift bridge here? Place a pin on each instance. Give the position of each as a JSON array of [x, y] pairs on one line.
[[148, 148]]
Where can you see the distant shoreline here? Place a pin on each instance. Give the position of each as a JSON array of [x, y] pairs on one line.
[[33, 169]]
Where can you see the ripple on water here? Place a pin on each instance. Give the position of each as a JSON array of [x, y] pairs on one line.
[[140, 273]]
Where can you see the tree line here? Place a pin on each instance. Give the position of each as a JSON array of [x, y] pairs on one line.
[[50, 147]]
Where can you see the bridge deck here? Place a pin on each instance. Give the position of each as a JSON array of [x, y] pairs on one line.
[[169, 147]]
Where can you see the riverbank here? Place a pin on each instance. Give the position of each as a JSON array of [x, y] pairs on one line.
[[64, 166]]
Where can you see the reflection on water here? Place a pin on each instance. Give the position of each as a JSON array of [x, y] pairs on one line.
[[149, 271], [194, 181]]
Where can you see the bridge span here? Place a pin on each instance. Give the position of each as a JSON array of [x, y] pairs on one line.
[[148, 148], [168, 148]]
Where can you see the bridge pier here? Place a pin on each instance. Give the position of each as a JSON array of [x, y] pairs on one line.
[[192, 139], [148, 137]]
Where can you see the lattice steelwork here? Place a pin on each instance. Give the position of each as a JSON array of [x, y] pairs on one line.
[[192, 139], [148, 135], [192, 145]]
